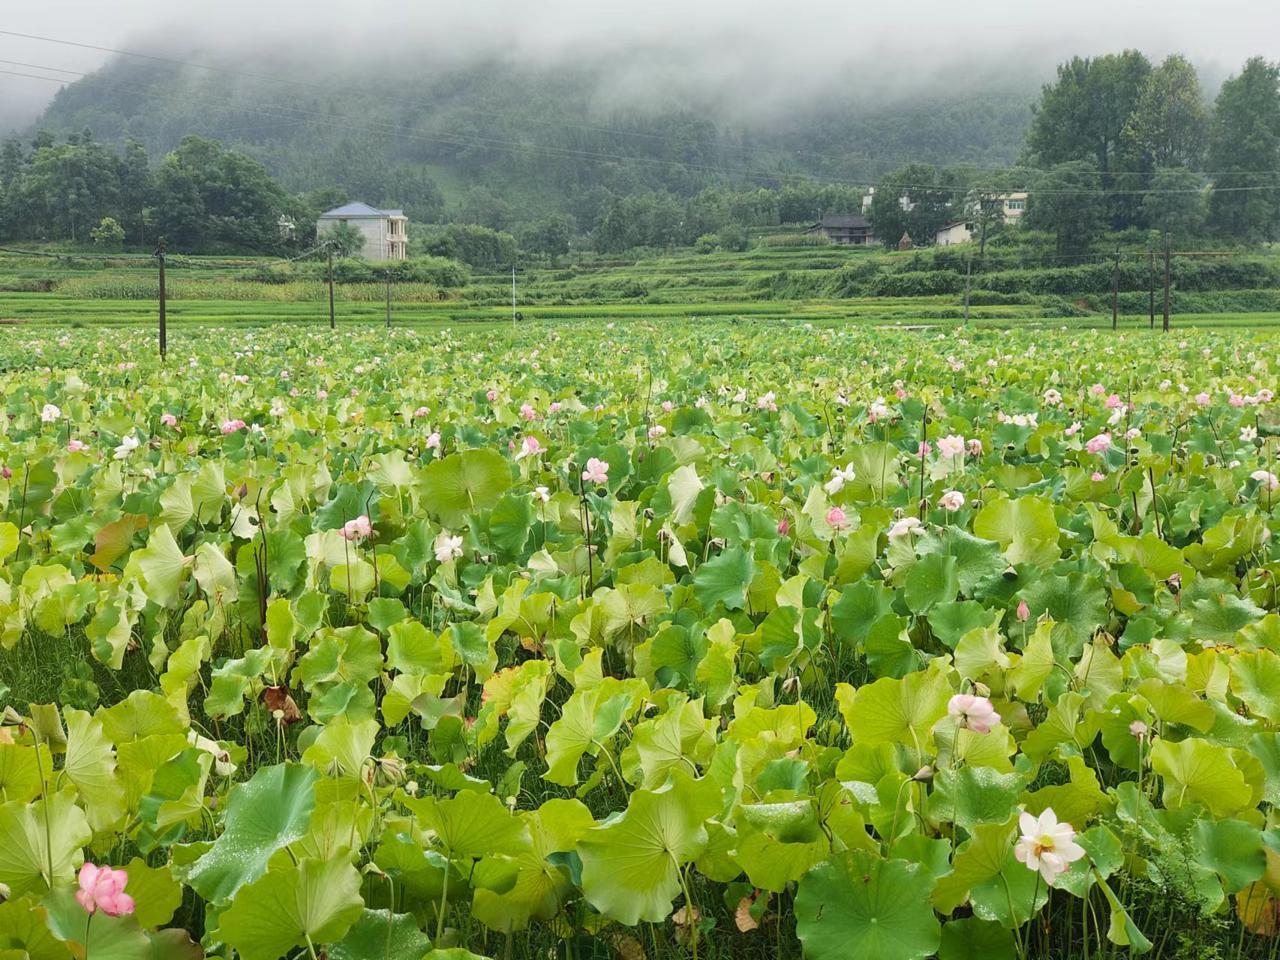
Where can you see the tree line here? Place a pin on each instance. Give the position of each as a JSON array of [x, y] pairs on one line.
[[1114, 143]]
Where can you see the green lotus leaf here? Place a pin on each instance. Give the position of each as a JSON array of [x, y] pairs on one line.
[[1196, 771], [724, 580], [857, 906], [264, 814], [381, 935], [463, 483], [631, 865], [308, 902], [51, 830]]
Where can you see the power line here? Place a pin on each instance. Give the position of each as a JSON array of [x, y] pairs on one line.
[[615, 131], [337, 121]]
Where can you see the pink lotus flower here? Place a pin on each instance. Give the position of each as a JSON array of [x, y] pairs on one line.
[[1072, 430], [597, 472], [1097, 476], [1097, 389], [784, 527], [975, 447], [322, 394], [668, 406], [1138, 729], [102, 888], [75, 446], [905, 527], [1023, 612], [767, 402], [1202, 399], [952, 501], [527, 412], [972, 712], [1265, 478], [50, 412], [433, 440], [168, 419], [1099, 444], [924, 449], [837, 519], [1052, 397], [420, 412], [231, 426], [656, 431], [1236, 400], [1113, 401], [555, 407], [491, 395], [357, 529], [529, 447], [951, 447], [1047, 845]]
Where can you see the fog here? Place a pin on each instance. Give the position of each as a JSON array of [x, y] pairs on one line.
[[749, 58]]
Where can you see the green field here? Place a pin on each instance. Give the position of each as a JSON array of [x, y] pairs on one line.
[[768, 283]]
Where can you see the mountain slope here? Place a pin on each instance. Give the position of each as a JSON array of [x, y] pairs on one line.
[[503, 144]]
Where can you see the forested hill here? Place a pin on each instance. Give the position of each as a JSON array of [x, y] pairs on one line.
[[496, 145]]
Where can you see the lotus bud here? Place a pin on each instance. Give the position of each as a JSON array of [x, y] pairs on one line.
[[924, 774]]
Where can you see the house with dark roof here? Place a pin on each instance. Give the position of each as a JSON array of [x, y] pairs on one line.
[[385, 232], [846, 229]]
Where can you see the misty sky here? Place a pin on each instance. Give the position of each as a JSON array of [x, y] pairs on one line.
[[772, 53]]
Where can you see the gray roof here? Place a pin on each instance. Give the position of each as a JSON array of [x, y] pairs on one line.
[[358, 209], [847, 221]]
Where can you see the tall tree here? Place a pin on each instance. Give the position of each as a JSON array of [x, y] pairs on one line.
[[1085, 112], [1176, 203], [1170, 120], [210, 197], [1067, 201], [1244, 154]]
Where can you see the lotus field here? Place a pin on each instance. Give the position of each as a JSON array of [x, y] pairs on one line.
[[736, 640]]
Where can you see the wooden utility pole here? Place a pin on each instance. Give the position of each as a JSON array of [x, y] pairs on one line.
[[164, 320], [332, 323], [1151, 284], [1115, 292], [1166, 283], [968, 272]]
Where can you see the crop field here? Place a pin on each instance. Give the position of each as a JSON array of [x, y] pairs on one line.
[[736, 638]]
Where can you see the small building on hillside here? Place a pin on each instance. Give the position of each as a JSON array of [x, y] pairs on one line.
[[385, 232], [845, 229], [959, 232]]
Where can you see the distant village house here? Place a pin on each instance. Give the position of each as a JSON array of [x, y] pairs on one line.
[[385, 231], [1012, 207], [845, 229]]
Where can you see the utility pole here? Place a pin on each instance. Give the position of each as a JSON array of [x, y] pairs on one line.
[[513, 294], [1151, 284], [164, 321], [1115, 292], [332, 323], [1166, 283], [968, 271]]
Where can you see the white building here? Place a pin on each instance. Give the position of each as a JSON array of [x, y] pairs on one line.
[[953, 233], [385, 231], [1012, 205]]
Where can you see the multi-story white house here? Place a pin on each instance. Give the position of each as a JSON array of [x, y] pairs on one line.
[[385, 231]]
